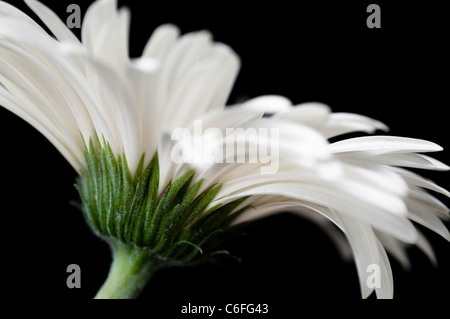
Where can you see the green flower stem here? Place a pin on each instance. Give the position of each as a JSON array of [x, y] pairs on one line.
[[131, 269]]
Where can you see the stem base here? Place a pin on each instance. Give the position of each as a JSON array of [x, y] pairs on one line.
[[131, 269]]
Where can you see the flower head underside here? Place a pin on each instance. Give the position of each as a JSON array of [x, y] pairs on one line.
[[113, 118]]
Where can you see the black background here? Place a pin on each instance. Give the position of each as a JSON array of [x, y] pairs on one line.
[[320, 51]]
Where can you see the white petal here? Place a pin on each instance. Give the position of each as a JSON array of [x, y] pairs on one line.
[[396, 248], [294, 138], [142, 74], [417, 180], [114, 96], [425, 246], [312, 114], [421, 215], [203, 87], [376, 175], [74, 156], [161, 40], [9, 11], [386, 289], [230, 117], [410, 160], [39, 102], [44, 83], [111, 43], [342, 123], [384, 144], [431, 203], [52, 21], [182, 57], [368, 252], [245, 182], [83, 88], [96, 15], [267, 104], [166, 166], [344, 199], [260, 210]]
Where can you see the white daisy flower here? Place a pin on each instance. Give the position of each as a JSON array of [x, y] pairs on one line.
[[130, 128]]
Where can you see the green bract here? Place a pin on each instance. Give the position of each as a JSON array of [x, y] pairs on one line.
[[175, 226]]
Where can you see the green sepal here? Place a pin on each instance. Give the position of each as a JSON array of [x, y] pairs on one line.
[[175, 226]]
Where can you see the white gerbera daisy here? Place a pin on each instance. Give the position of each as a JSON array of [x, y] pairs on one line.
[[114, 119]]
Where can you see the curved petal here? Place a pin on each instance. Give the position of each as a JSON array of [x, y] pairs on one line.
[[52, 21], [384, 144]]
